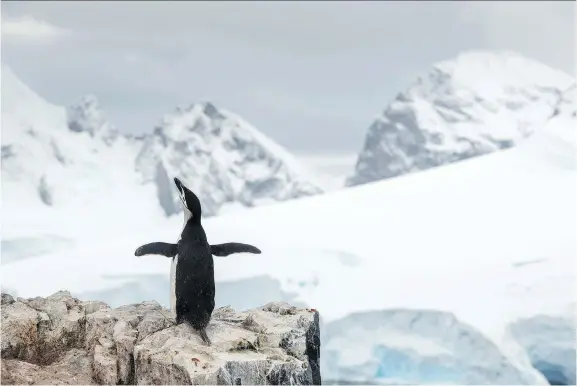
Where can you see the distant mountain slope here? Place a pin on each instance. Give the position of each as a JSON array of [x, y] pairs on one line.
[[56, 158], [222, 158], [477, 103]]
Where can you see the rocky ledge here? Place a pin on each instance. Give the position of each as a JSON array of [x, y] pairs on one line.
[[62, 340]]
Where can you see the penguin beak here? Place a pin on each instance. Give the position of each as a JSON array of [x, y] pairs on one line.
[[180, 188], [178, 184]]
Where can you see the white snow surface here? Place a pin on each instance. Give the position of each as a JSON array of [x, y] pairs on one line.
[[474, 104], [458, 274], [59, 160]]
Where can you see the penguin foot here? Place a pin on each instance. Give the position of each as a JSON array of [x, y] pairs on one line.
[[204, 337]]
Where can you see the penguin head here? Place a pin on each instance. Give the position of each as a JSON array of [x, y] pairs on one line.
[[189, 200]]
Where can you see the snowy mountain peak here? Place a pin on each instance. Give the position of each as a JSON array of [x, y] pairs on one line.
[[56, 159], [501, 68], [474, 104], [87, 116], [211, 111], [222, 158], [200, 118]]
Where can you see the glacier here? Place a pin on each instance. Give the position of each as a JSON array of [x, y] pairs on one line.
[[457, 274]]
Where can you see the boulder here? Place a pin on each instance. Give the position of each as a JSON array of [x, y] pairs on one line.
[[62, 340]]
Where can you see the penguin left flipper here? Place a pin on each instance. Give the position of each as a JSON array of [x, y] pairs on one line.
[[230, 248], [158, 248]]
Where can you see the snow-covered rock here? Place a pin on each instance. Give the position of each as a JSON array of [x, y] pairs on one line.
[[474, 104], [87, 116], [222, 158]]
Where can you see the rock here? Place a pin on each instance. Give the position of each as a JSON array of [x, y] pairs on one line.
[[73, 368], [62, 340], [7, 299]]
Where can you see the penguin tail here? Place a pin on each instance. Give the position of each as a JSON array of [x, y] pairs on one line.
[[204, 336]]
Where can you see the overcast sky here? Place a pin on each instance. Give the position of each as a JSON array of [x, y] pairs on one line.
[[311, 75]]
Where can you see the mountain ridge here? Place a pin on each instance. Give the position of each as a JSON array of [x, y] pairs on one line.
[[60, 157], [244, 164], [473, 104]]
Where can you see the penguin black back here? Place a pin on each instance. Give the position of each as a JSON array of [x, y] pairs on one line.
[[194, 281]]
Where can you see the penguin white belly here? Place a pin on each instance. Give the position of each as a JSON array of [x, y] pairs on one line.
[[173, 285]]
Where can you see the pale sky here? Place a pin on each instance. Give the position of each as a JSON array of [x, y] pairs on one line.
[[312, 75]]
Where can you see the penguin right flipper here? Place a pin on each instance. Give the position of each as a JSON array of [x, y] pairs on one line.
[[158, 248], [230, 248]]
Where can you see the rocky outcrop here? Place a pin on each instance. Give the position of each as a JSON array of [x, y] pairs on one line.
[[87, 116], [62, 340]]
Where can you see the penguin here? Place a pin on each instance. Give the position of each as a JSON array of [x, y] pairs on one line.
[[192, 288]]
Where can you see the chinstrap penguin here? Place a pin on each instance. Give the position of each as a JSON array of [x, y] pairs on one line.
[[192, 272]]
